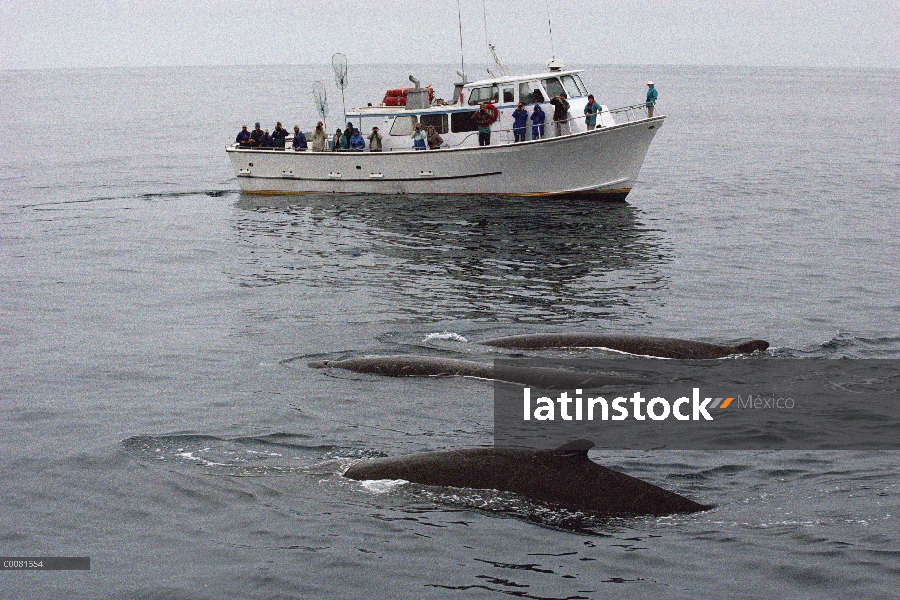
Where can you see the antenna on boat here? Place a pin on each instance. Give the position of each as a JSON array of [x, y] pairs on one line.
[[461, 53], [320, 95], [550, 26], [491, 47], [339, 64], [500, 65]]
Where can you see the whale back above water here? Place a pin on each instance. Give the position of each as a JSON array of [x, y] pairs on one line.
[[412, 365], [661, 347], [564, 477], [404, 365]]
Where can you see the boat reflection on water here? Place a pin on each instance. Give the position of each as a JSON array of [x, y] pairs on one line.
[[479, 257]]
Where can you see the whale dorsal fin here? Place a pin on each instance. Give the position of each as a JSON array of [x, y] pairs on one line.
[[752, 346], [576, 447]]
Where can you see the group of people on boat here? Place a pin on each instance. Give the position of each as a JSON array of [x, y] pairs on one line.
[[426, 139], [262, 139], [347, 140], [350, 139]]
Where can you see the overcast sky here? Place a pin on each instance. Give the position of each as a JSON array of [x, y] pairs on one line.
[[92, 33]]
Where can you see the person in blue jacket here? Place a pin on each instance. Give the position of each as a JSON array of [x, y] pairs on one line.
[[267, 143], [590, 112], [357, 143], [652, 96], [520, 122], [299, 139], [538, 117], [243, 137], [418, 138]]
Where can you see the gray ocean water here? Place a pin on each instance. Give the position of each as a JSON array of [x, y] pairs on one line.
[[158, 415]]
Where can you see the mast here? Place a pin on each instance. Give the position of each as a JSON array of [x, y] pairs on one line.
[[462, 55]]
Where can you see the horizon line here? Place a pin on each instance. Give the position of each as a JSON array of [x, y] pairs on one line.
[[452, 64]]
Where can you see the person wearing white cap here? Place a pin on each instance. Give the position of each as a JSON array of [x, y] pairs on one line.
[[652, 95]]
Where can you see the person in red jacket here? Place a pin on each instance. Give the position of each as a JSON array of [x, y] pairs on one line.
[[482, 119]]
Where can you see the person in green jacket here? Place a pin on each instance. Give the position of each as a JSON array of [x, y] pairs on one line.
[[652, 96], [590, 112]]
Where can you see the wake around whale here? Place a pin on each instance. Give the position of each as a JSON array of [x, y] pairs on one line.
[[660, 347], [564, 477]]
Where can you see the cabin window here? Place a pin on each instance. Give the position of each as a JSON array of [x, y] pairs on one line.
[[404, 125], [573, 85], [553, 86], [438, 121], [509, 95], [530, 93], [461, 122], [484, 94], [581, 85]]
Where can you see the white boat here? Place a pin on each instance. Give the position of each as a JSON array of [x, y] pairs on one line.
[[568, 160]]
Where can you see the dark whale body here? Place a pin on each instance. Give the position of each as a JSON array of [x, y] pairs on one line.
[[661, 347], [565, 477], [411, 365]]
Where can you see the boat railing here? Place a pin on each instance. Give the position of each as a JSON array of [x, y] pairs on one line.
[[575, 124], [628, 114]]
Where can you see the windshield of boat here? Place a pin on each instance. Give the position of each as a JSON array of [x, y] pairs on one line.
[[484, 94], [530, 92], [573, 85], [404, 125], [553, 86]]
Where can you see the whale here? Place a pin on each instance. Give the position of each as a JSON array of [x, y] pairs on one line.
[[412, 365], [409, 365], [660, 347], [563, 477]]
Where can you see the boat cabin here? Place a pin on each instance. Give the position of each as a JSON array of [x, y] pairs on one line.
[[402, 109]]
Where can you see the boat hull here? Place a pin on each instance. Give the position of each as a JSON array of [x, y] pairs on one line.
[[602, 163]]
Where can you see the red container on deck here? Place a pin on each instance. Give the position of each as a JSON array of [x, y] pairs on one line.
[[397, 97]]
